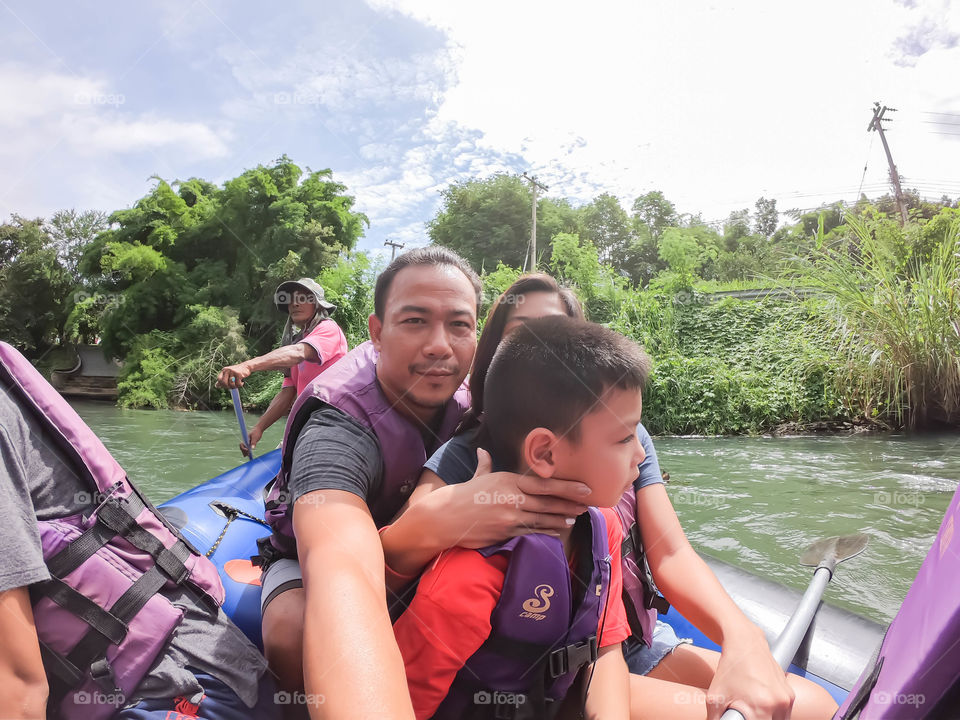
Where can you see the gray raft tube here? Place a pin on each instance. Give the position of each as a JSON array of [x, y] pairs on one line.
[[836, 649]]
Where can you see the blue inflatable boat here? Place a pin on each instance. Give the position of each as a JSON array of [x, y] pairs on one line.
[[223, 517]]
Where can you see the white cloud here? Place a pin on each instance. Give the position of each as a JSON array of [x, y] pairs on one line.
[[714, 105]]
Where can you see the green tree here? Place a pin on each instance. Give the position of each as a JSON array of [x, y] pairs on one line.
[[654, 212], [766, 218], [606, 224], [486, 221], [33, 287]]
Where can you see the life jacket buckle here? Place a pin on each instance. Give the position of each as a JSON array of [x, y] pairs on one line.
[[102, 673], [573, 657]]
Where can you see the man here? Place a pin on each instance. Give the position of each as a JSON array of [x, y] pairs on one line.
[[354, 445], [303, 354]]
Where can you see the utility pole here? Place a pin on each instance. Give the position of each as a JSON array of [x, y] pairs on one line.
[[533, 226], [393, 248], [875, 124]]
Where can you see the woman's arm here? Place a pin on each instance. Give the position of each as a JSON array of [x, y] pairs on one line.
[[279, 406], [747, 673], [23, 683], [279, 359], [608, 695], [489, 508]]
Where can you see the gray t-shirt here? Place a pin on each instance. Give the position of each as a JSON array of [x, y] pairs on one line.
[[335, 452], [456, 460], [38, 482]]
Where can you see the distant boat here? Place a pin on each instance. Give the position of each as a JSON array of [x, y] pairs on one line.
[[93, 376]]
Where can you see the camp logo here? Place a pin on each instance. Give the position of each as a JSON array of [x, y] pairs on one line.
[[535, 607]]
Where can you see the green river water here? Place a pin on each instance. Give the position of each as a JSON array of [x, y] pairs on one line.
[[754, 502]]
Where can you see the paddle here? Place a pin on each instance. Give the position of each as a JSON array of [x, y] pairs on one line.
[[824, 554], [238, 409]]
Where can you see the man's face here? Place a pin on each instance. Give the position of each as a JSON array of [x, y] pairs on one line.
[[426, 338], [607, 452], [302, 307]]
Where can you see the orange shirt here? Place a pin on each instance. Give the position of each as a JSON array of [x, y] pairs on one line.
[[449, 617]]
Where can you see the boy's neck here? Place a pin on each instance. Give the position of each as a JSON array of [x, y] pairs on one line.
[[562, 535]]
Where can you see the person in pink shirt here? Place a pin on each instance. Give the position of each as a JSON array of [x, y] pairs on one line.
[[311, 343]]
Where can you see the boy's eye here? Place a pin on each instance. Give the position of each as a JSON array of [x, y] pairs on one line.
[[627, 439]]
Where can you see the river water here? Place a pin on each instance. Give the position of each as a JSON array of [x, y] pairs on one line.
[[754, 502]]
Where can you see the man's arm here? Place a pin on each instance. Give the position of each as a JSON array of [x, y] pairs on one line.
[[747, 675], [23, 683], [279, 359], [279, 406], [488, 509], [608, 696], [350, 657]]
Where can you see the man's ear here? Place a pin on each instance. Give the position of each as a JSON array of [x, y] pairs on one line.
[[538, 452], [374, 326]]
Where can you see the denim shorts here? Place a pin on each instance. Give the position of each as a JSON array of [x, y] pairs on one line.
[[641, 659]]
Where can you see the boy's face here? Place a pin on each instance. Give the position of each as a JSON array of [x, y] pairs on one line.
[[607, 452]]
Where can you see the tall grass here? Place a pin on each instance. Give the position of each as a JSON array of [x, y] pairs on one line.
[[893, 310]]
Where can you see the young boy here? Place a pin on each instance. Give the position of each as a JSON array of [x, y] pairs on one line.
[[506, 631]]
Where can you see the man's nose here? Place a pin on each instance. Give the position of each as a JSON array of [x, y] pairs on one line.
[[438, 342]]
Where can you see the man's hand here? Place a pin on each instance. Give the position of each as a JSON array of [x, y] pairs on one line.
[[255, 434], [494, 507], [749, 680], [232, 376]]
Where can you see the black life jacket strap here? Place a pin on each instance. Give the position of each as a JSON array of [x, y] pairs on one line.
[[632, 543], [79, 550], [104, 622], [120, 516], [93, 646]]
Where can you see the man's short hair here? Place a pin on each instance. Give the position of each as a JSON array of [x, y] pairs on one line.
[[429, 255], [551, 373]]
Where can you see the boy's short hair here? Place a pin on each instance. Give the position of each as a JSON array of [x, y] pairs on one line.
[[552, 372], [432, 255]]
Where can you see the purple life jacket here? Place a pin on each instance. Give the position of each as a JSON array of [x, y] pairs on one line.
[[641, 599], [916, 673], [540, 638], [352, 387], [99, 618]]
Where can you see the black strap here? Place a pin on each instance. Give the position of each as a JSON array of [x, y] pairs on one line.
[[93, 646], [632, 543], [79, 550], [120, 516], [106, 623], [573, 657]]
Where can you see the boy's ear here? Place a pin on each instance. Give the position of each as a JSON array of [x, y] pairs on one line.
[[374, 326], [538, 452]]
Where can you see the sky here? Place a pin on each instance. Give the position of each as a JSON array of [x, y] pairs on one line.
[[713, 105]]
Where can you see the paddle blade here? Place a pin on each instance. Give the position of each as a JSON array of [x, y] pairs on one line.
[[836, 549]]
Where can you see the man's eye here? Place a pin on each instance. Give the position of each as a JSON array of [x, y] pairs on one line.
[[413, 320], [627, 439]]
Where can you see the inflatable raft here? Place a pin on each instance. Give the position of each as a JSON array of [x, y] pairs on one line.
[[223, 517]]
